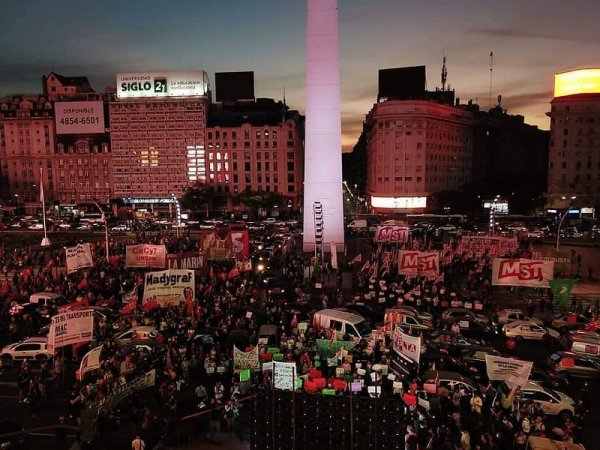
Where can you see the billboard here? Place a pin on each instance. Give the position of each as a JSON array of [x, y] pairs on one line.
[[402, 83], [391, 233], [584, 81], [232, 86], [399, 202], [169, 287], [162, 84], [522, 272], [79, 117]]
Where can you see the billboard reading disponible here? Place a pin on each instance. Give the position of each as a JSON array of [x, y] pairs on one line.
[[162, 84], [79, 117]]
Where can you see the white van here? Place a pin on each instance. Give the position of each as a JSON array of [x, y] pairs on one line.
[[358, 224], [341, 323], [45, 298]]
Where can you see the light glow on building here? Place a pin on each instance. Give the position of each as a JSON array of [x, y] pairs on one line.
[[583, 81], [399, 202], [196, 163]]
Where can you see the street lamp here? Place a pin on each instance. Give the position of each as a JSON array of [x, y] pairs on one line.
[[493, 213], [561, 222], [105, 220], [18, 205]]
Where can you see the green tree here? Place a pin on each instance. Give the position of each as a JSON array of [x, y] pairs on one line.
[[260, 199], [197, 197]]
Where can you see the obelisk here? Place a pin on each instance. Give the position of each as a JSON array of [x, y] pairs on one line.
[[323, 152]]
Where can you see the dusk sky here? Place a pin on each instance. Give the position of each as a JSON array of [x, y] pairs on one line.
[[531, 41]]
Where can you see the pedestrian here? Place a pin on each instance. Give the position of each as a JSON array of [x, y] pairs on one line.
[[138, 444]]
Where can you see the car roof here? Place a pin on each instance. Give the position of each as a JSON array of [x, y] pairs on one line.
[[334, 313], [35, 339], [510, 310], [445, 375]]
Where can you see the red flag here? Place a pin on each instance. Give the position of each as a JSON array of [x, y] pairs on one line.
[[357, 258], [83, 284], [365, 266], [235, 272], [129, 307], [150, 305]]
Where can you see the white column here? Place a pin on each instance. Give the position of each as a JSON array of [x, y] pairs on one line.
[[323, 151]]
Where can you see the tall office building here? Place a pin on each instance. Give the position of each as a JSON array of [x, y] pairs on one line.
[[574, 156], [158, 126], [323, 201]]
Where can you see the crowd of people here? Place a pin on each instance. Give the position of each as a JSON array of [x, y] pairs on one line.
[[193, 354]]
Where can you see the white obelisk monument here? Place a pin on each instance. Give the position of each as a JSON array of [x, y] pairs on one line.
[[323, 200]]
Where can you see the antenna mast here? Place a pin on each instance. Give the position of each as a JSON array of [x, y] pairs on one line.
[[491, 76], [444, 73]]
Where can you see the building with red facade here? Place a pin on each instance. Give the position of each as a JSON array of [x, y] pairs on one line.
[[574, 156], [416, 148]]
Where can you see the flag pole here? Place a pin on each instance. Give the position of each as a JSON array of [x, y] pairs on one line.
[[45, 241]]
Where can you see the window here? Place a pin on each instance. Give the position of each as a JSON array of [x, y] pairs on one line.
[[247, 167], [290, 166], [290, 155]]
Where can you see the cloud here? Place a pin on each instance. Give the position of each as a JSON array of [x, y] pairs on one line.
[[508, 32], [527, 99]]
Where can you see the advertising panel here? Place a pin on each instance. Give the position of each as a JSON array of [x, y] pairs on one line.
[[391, 233], [583, 81], [415, 263], [169, 287], [162, 84], [522, 272], [399, 202], [79, 117], [186, 260], [146, 255], [512, 371], [71, 327], [78, 257]]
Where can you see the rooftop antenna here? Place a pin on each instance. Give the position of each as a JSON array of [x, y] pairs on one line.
[[491, 75], [444, 73]]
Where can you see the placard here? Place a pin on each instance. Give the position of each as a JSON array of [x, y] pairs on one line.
[[70, 327], [145, 256], [169, 287], [284, 374], [78, 257]]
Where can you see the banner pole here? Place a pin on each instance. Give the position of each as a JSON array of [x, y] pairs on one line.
[[294, 409], [273, 406]]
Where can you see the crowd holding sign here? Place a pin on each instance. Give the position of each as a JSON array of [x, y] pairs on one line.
[[512, 371], [187, 260], [284, 375], [78, 257], [406, 344], [245, 360], [169, 287], [391, 233], [146, 256], [522, 272], [71, 327], [218, 247], [416, 263], [492, 245]]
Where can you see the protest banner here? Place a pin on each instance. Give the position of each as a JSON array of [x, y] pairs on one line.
[[91, 361], [185, 260], [492, 245], [513, 372], [522, 272], [284, 374], [70, 327], [146, 256], [391, 233], [407, 345], [245, 360], [79, 304], [327, 348], [123, 391], [169, 287], [415, 263], [561, 289], [78, 257], [239, 242]]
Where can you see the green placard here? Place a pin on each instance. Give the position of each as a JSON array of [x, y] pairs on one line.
[[327, 348], [245, 375], [299, 383], [273, 350], [278, 357], [328, 391]]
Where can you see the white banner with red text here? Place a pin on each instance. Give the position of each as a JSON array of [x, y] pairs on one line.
[[146, 255], [522, 272], [406, 344], [71, 327], [391, 233], [169, 287], [415, 263]]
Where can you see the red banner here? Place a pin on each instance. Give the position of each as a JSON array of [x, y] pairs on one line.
[[235, 245], [391, 233]]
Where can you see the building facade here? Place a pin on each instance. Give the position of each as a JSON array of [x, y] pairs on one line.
[[416, 148], [574, 155], [255, 147], [26, 152]]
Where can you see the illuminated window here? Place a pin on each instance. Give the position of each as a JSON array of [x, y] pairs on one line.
[[149, 157]]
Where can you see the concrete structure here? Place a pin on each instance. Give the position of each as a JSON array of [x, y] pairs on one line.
[[26, 145], [255, 146], [574, 156], [158, 141], [323, 158], [416, 148]]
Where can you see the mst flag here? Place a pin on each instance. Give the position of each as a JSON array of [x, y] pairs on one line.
[[561, 289]]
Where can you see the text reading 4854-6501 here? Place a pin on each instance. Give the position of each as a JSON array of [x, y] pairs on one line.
[[79, 120]]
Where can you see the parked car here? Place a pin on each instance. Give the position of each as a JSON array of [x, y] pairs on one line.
[[139, 332], [520, 329], [566, 322], [30, 348], [425, 317], [459, 313], [472, 328], [552, 402], [574, 365], [510, 315], [449, 380]]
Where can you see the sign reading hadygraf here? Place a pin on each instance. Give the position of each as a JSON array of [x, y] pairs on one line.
[[169, 287]]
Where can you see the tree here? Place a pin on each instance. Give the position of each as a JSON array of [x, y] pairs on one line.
[[197, 196], [260, 199]]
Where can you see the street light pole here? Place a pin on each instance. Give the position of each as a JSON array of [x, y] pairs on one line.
[[105, 229]]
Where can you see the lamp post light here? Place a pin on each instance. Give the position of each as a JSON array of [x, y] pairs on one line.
[[562, 219], [493, 214], [105, 220], [18, 204]]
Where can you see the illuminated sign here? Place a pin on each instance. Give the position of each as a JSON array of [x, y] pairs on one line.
[[499, 207], [584, 81], [399, 202], [162, 84], [79, 117], [136, 201]]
